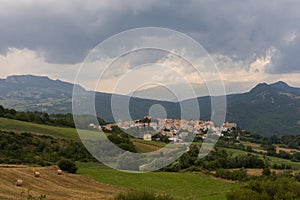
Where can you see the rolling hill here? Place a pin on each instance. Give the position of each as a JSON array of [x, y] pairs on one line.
[[111, 182], [182, 185], [267, 109]]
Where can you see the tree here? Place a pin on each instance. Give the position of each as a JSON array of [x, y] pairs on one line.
[[22, 116], [45, 117], [266, 172], [67, 165], [240, 174], [284, 188], [249, 149], [283, 154], [274, 139], [1, 111]]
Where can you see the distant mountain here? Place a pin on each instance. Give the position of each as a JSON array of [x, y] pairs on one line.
[[167, 94], [182, 91], [37, 93], [266, 109], [28, 92]]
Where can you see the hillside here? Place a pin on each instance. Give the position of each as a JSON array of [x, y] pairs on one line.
[[267, 109], [187, 178], [16, 126], [181, 185], [19, 126], [36, 93], [66, 186]]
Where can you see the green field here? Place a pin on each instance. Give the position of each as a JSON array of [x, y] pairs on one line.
[[54, 131], [69, 133], [183, 185]]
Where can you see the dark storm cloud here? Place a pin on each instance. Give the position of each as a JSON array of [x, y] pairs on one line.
[[66, 32], [287, 58]]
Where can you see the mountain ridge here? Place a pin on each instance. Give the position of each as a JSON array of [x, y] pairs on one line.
[[265, 109]]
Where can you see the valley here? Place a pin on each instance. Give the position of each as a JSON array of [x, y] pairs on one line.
[[187, 183]]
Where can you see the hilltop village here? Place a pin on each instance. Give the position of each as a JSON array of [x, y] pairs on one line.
[[174, 129]]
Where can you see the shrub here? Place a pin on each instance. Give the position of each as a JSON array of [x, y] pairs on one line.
[[281, 166], [174, 167], [67, 165], [266, 172], [297, 176], [244, 194], [267, 188], [193, 169], [143, 195], [239, 175]]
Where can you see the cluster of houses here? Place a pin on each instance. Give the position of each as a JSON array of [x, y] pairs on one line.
[[175, 129]]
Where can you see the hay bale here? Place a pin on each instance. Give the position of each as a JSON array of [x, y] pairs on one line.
[[59, 172], [37, 174], [19, 183]]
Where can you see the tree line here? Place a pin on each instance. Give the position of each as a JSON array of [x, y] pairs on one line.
[[274, 187], [216, 159], [62, 120], [65, 120], [27, 148]]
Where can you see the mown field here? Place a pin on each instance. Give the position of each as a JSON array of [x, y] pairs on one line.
[[183, 185], [142, 146], [63, 187]]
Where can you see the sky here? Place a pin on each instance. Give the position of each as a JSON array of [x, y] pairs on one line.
[[249, 41]]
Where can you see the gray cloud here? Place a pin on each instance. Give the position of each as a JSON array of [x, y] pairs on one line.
[[65, 32], [286, 58]]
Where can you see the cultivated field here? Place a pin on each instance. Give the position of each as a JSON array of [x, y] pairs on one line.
[[65, 186]]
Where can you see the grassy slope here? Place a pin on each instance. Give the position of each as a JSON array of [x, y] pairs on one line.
[[181, 185], [54, 131], [70, 133], [66, 186]]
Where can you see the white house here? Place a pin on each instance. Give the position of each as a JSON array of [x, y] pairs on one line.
[[147, 137]]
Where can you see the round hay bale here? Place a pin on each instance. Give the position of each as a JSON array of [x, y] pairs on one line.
[[19, 183], [59, 172], [37, 174]]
